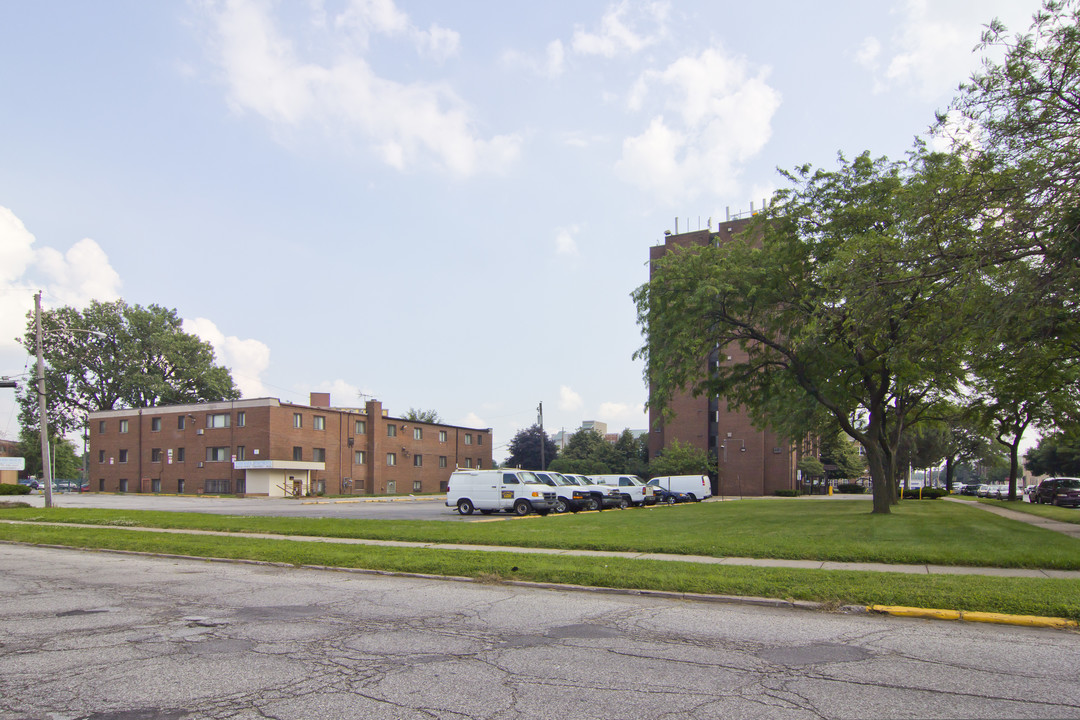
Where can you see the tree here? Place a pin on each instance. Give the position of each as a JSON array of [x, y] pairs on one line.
[[1056, 454], [841, 457], [587, 453], [837, 297], [631, 454], [525, 449], [424, 416], [678, 458], [142, 359], [65, 461]]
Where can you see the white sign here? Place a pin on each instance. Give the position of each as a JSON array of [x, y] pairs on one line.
[[12, 463]]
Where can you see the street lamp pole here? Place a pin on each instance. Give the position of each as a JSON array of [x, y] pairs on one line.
[[43, 421]]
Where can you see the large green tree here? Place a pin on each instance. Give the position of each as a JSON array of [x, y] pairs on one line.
[[525, 449], [65, 462], [134, 357], [588, 453], [838, 298], [1056, 454], [679, 458]]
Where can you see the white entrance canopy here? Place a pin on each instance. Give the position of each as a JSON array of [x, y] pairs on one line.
[[277, 478]]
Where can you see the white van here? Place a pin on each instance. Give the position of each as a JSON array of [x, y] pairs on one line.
[[697, 487], [632, 488], [517, 491]]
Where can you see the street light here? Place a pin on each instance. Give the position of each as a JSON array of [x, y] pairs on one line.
[[46, 460]]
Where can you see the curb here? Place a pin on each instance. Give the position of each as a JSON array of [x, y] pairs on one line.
[[973, 616], [789, 604]]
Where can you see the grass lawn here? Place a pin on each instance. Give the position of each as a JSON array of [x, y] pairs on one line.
[[1069, 515], [922, 532]]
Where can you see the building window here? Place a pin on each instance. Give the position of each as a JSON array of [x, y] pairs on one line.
[[155, 455], [123, 485], [122, 456], [479, 439], [418, 460], [360, 457], [442, 436], [468, 438], [442, 461], [468, 462], [417, 486], [155, 424], [478, 461], [179, 454], [391, 431], [241, 452], [217, 487], [361, 427], [101, 427], [318, 422], [298, 454], [318, 455], [217, 454], [297, 420], [101, 456], [418, 433], [391, 459], [123, 426], [217, 420], [241, 419], [181, 422]]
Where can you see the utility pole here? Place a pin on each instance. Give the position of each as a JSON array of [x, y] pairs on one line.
[[43, 421], [540, 422]]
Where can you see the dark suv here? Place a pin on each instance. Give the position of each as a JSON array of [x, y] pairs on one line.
[[1058, 491]]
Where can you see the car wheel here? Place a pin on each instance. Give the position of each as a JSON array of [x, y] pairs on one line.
[[693, 497], [464, 506], [670, 500], [561, 506], [522, 507], [597, 504], [624, 502]]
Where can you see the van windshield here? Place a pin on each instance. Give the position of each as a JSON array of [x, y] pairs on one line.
[[528, 477]]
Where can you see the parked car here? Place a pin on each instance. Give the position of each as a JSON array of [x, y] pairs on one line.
[[68, 486], [970, 489], [670, 497], [30, 483], [569, 495], [697, 487], [1061, 491]]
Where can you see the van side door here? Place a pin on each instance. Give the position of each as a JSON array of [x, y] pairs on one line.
[[508, 490]]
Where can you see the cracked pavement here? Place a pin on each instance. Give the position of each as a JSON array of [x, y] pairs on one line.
[[102, 636]]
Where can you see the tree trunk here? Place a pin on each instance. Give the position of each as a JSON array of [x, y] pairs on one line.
[[879, 479]]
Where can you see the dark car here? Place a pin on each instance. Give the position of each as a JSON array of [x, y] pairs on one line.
[[68, 485], [1061, 491], [669, 497]]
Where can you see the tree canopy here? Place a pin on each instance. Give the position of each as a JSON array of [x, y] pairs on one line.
[[424, 416], [525, 449], [679, 458], [142, 358]]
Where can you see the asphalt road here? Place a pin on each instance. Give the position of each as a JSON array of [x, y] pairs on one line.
[[121, 637]]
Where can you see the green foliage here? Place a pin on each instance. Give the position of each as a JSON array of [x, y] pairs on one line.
[[1056, 454], [811, 467], [11, 489], [143, 359], [787, 493], [588, 453], [841, 456], [65, 461], [850, 488], [679, 458], [525, 449], [424, 416]]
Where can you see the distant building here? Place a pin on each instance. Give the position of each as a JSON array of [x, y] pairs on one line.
[[9, 449], [266, 447], [748, 461]]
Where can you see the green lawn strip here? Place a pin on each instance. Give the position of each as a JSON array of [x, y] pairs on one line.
[[1052, 512], [1023, 596], [916, 532]]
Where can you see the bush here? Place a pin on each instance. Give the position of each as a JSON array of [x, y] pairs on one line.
[[850, 488], [6, 489], [787, 493], [927, 494]]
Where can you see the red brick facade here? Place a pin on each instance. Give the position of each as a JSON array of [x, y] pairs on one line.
[[748, 461], [195, 448]]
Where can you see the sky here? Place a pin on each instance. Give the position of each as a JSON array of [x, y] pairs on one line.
[[443, 206]]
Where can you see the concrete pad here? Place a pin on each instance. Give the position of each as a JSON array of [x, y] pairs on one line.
[[773, 562], [875, 567]]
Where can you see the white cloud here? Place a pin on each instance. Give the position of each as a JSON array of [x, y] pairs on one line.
[[718, 115], [616, 36], [80, 275], [406, 124], [570, 401], [474, 421], [246, 359], [931, 47], [565, 244], [623, 415]]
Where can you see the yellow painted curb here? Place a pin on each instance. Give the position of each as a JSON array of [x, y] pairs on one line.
[[970, 616]]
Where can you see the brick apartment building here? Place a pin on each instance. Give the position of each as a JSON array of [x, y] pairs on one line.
[[263, 446], [748, 461]]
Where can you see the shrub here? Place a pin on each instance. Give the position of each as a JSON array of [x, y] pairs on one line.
[[787, 493], [850, 488], [6, 489], [927, 494]]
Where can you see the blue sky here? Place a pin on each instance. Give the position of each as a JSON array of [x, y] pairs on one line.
[[442, 205]]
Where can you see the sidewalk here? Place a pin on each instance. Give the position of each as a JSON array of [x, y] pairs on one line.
[[1070, 529]]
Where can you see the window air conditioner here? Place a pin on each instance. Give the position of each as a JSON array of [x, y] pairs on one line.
[[199, 431]]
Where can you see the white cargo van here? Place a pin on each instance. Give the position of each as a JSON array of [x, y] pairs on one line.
[[517, 491], [697, 487], [632, 488]]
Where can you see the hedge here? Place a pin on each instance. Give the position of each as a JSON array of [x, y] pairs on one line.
[[7, 489]]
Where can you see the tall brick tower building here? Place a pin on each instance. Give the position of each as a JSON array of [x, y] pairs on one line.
[[749, 462]]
